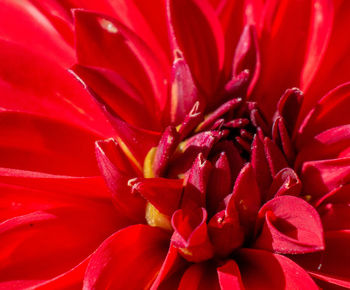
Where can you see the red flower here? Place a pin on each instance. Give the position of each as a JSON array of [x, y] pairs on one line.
[[220, 173]]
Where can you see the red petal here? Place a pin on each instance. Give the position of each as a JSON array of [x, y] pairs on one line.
[[225, 231], [35, 143], [275, 37], [108, 154], [265, 270], [118, 95], [165, 150], [32, 83], [196, 184], [173, 264], [291, 226], [320, 177], [332, 265], [247, 55], [66, 235], [285, 182], [199, 35], [191, 235], [260, 165], [230, 276], [274, 156], [163, 193], [319, 36], [132, 245], [184, 93], [330, 144], [334, 59], [200, 276], [113, 46], [220, 182], [246, 197], [289, 107], [23, 23], [282, 138], [134, 141], [331, 111]]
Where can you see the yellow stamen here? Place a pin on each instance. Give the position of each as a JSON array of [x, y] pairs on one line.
[[156, 219], [148, 163]]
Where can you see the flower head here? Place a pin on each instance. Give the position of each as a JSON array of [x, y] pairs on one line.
[[220, 129]]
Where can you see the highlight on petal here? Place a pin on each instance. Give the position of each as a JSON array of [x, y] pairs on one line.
[[121, 51], [289, 226], [130, 245]]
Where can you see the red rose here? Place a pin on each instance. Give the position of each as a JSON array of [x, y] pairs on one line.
[[184, 144]]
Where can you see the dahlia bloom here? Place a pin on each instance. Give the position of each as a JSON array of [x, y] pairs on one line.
[[192, 144]]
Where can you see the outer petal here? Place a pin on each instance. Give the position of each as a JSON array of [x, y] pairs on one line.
[[291, 226], [23, 23], [279, 50], [199, 35], [65, 234], [32, 83], [265, 270], [120, 256], [115, 47], [35, 143], [332, 265], [332, 70]]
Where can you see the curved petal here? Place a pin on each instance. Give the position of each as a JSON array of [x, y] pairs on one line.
[[116, 263], [115, 47], [265, 270], [22, 22], [32, 83], [291, 226], [65, 234]]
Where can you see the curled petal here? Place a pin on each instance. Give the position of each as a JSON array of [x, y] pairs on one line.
[[130, 245], [290, 226], [285, 182], [190, 235]]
